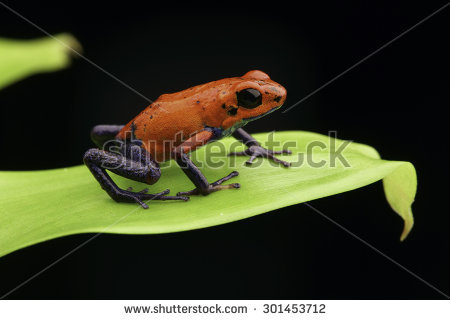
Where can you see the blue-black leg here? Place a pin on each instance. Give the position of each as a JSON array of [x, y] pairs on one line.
[[202, 185], [103, 133], [133, 163], [255, 150]]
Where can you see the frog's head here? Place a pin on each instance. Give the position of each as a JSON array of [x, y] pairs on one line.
[[253, 96]]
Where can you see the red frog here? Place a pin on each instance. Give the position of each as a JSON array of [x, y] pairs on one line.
[[176, 124]]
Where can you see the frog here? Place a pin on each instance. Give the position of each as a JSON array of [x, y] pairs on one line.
[[176, 124]]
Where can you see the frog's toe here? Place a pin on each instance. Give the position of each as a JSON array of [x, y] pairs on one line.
[[140, 197], [159, 196], [211, 188], [281, 152], [282, 162], [250, 161], [142, 203], [150, 196], [228, 177], [177, 197], [215, 186], [258, 151], [192, 192]]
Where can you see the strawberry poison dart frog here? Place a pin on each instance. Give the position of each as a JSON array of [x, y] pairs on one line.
[[178, 123]]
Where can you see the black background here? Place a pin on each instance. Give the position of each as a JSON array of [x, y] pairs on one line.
[[396, 101]]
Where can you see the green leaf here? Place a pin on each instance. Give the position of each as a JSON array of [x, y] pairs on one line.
[[23, 58], [39, 205]]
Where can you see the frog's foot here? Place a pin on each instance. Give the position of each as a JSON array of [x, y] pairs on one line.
[[139, 197], [215, 186], [257, 151]]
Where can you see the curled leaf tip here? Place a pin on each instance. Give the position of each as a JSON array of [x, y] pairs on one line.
[[400, 188], [408, 225]]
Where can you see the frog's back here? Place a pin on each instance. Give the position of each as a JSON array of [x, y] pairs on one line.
[[174, 117]]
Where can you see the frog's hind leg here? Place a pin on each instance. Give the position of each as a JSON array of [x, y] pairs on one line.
[[103, 133], [143, 169]]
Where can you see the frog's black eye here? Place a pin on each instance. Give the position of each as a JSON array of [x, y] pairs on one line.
[[249, 98]]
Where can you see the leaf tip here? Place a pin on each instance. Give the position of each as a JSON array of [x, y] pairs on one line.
[[408, 224], [72, 45], [400, 188]]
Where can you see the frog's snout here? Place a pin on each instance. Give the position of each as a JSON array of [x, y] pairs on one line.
[[279, 96]]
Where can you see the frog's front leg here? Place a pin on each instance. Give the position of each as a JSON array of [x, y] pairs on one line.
[[255, 150], [132, 162], [203, 187]]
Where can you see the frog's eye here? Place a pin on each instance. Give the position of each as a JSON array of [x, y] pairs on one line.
[[249, 98]]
